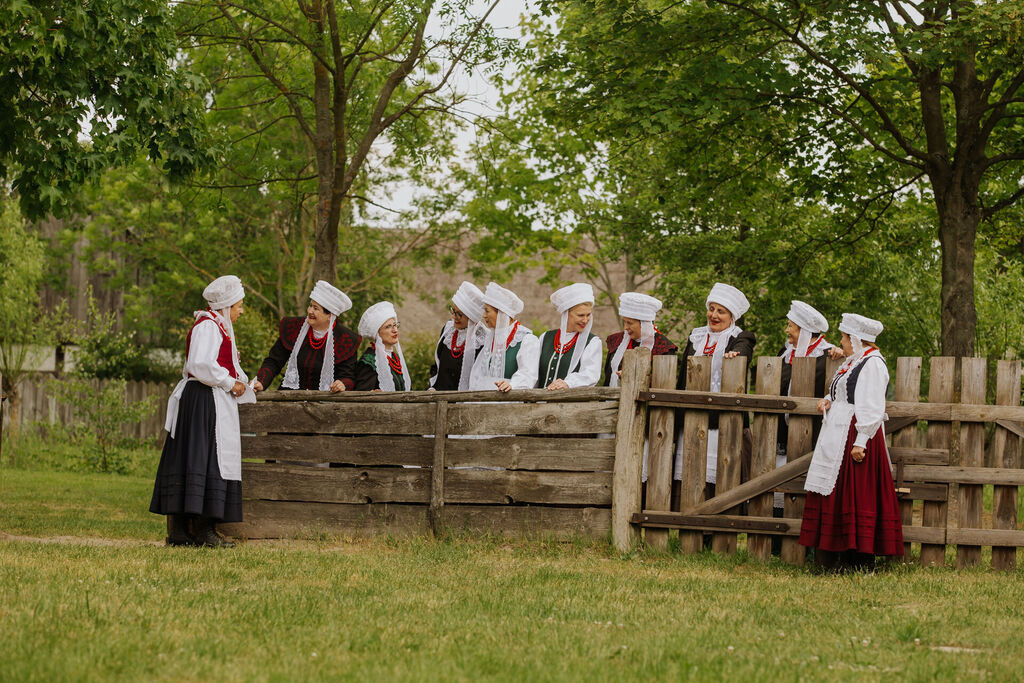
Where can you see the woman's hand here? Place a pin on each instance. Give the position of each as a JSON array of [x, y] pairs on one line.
[[257, 386], [857, 453], [431, 389], [835, 353], [731, 354], [824, 404], [503, 385], [238, 389], [558, 384], [337, 386]]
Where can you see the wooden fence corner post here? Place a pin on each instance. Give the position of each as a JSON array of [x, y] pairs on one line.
[[629, 445], [435, 514]]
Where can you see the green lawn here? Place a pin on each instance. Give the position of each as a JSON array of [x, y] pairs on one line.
[[456, 609]]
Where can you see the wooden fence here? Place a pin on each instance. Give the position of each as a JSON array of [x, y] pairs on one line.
[[938, 449]]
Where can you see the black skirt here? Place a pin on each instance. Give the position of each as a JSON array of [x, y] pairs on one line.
[[188, 480]]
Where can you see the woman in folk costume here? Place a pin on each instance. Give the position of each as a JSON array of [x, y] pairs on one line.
[[638, 312], [510, 353], [302, 346], [851, 513], [199, 478], [571, 356], [721, 338], [460, 338], [382, 366]]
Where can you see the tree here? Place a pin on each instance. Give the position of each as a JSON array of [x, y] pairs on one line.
[[857, 104], [84, 87], [348, 77]]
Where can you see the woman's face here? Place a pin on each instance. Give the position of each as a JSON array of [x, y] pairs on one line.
[[632, 327], [235, 311], [490, 316], [459, 319], [389, 332], [318, 318], [579, 317], [847, 345], [792, 332], [719, 317]]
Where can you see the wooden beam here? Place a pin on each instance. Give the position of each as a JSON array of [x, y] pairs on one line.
[[629, 441], [661, 448], [694, 449], [517, 395], [434, 515], [762, 459], [764, 483], [965, 475]]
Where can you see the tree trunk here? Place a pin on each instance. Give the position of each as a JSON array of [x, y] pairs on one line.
[[958, 227], [325, 243]]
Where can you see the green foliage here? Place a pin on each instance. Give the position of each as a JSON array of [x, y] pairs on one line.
[[84, 87], [106, 352], [418, 350], [22, 262]]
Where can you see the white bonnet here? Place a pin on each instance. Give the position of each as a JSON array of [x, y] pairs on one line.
[[865, 329], [375, 316], [470, 300], [503, 299], [224, 292], [573, 295], [332, 299], [730, 297], [642, 307], [807, 317]]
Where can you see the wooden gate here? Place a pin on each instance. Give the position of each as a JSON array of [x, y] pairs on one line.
[[938, 448]]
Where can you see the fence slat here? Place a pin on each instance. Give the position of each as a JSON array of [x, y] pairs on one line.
[[1006, 452], [437, 470], [800, 440], [542, 418], [694, 449], [908, 389], [629, 443], [762, 458], [940, 389], [661, 447], [352, 450], [730, 446], [972, 454]]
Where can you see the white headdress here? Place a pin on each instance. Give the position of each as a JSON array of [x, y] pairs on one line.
[[334, 302], [860, 329], [642, 307], [810, 322], [564, 299], [730, 297], [369, 326], [330, 298], [508, 306], [224, 292], [470, 300]]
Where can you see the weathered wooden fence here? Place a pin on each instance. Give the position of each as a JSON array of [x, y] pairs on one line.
[[938, 450]]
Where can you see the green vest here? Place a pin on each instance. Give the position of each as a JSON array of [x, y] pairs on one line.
[[549, 359], [370, 358]]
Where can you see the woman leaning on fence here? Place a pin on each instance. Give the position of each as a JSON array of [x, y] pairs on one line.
[[459, 340], [199, 479], [570, 356], [382, 366], [851, 513]]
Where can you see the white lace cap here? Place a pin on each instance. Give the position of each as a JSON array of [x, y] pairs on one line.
[[330, 298], [637, 306], [575, 294], [224, 292], [730, 297], [375, 316], [470, 300], [861, 327], [806, 317], [503, 299]]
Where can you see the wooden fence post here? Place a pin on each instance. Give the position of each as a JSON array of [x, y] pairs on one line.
[[762, 459], [629, 445], [730, 446], [1006, 453], [799, 442], [661, 448], [694, 450], [972, 454], [940, 434], [436, 511], [908, 389]]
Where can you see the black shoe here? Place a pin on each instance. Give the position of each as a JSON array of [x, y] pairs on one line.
[[207, 536], [180, 534]]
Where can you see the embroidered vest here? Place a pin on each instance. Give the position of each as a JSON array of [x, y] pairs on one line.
[[224, 358], [549, 359]]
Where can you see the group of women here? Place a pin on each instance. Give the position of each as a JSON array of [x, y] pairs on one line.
[[851, 512]]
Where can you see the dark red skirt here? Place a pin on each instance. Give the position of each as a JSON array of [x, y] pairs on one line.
[[862, 512]]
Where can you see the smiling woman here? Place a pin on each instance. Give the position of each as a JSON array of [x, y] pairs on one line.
[[382, 366]]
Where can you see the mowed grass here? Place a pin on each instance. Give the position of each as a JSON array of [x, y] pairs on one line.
[[465, 609]]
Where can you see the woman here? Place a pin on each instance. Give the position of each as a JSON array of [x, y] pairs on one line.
[[851, 513], [638, 312], [382, 366], [199, 478], [453, 352], [721, 338], [302, 344], [571, 356], [509, 357]]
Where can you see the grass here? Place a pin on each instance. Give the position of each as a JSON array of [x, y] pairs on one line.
[[456, 609]]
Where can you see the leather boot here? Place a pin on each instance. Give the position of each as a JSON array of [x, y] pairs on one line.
[[207, 536], [179, 533]]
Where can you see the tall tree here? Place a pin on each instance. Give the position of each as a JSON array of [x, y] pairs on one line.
[[857, 103], [87, 86]]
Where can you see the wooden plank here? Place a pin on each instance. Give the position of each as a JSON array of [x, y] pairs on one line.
[[762, 459], [530, 521], [661, 448], [629, 435], [695, 448], [800, 440], [355, 450], [1010, 539], [523, 486], [766, 482], [730, 446], [972, 455], [970, 476], [908, 390], [1014, 427], [437, 469], [279, 519], [592, 417], [336, 418], [940, 389], [516, 395], [918, 491], [279, 481], [1006, 452], [585, 454], [920, 456]]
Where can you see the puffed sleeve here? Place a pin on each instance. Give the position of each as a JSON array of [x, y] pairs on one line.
[[528, 359], [869, 399], [590, 366], [202, 356]]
